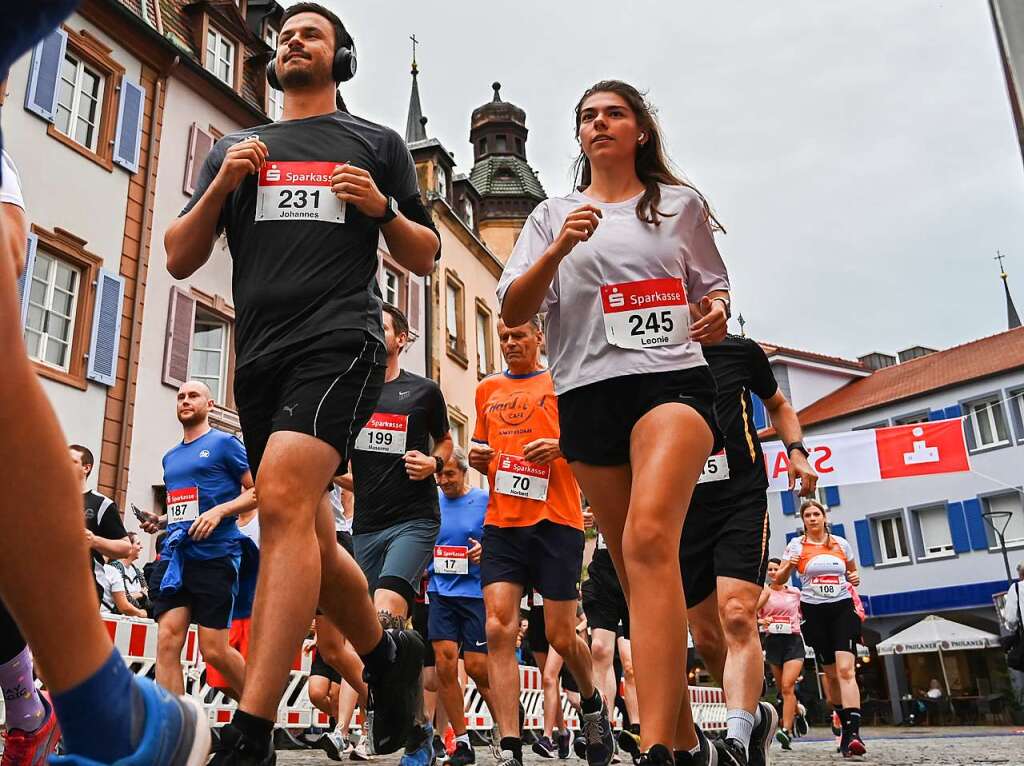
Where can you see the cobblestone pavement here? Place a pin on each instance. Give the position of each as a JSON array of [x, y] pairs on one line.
[[974, 746]]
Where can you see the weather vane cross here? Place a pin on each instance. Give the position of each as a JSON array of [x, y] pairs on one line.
[[415, 42]]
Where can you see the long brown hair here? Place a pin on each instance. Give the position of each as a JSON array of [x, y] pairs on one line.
[[824, 512], [652, 164]]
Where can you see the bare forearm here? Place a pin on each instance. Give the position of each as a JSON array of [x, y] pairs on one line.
[[345, 482], [112, 549], [443, 448], [411, 244], [244, 502], [13, 236], [190, 239], [525, 295], [786, 423]]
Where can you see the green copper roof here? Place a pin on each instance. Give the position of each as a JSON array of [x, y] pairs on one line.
[[506, 176]]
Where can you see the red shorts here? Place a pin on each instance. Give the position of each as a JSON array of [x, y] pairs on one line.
[[238, 638]]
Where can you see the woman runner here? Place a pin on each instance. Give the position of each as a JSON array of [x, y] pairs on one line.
[[779, 617], [628, 273]]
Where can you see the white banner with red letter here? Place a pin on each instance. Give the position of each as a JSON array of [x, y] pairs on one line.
[[856, 457]]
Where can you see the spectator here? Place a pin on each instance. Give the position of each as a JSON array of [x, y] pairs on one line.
[[126, 584], [1013, 605], [934, 690]]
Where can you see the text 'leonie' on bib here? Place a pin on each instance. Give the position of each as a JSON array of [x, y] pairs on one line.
[[451, 559], [384, 433], [519, 477], [298, 191], [182, 504], [646, 314], [715, 469]]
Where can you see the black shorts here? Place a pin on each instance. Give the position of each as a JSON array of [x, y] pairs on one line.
[[345, 541], [326, 387], [420, 623], [780, 648], [319, 667], [547, 557], [537, 630], [597, 420], [728, 539], [207, 590], [604, 603], [830, 628]]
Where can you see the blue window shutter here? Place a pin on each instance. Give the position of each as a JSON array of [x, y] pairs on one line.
[[937, 415], [25, 280], [832, 497], [839, 530], [864, 547], [129, 125], [106, 329], [788, 503], [44, 75], [955, 411], [958, 527], [760, 416], [975, 524]]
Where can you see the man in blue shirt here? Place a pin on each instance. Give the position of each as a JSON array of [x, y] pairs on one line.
[[456, 619], [197, 578]]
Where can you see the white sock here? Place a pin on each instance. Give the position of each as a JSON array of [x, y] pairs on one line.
[[739, 725]]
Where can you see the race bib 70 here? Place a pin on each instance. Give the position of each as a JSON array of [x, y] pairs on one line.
[[519, 477], [298, 191], [646, 314]]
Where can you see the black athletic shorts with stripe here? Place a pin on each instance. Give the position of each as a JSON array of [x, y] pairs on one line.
[[326, 387]]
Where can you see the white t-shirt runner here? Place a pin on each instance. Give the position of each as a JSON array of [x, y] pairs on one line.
[[619, 302], [822, 568], [10, 182]]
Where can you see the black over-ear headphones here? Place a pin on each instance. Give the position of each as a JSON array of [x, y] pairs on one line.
[[343, 69]]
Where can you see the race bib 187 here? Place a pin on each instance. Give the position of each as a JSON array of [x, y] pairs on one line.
[[715, 469], [451, 560], [519, 477], [182, 504], [646, 314], [298, 191], [384, 433]]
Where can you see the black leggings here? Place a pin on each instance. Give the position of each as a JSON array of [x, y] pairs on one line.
[[11, 640]]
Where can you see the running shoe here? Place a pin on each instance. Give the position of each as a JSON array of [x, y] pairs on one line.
[[564, 742], [597, 731], [837, 725], [762, 735], [496, 742], [855, 747], [333, 744], [545, 748], [30, 748], [439, 750], [800, 727], [235, 749], [360, 752], [462, 756], [659, 755], [508, 758], [630, 743], [731, 752], [579, 745], [784, 739], [394, 693], [707, 755], [423, 755], [176, 732]]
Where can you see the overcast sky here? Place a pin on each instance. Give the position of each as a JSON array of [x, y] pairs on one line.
[[862, 156]]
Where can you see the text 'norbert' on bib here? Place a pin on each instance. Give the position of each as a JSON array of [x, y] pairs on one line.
[[298, 191], [646, 314], [519, 477], [182, 504], [384, 433]]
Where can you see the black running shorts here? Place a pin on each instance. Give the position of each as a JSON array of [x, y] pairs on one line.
[[326, 387], [207, 590], [545, 556], [596, 420], [780, 648], [830, 628], [319, 667], [604, 603], [728, 539], [537, 631]]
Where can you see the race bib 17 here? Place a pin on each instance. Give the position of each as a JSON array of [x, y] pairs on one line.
[[384, 433], [182, 505], [451, 560], [298, 191], [715, 469], [519, 477], [647, 314]]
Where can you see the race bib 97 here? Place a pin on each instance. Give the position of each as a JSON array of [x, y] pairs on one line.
[[715, 469], [451, 560], [519, 477], [646, 314], [384, 433], [298, 191], [780, 628], [182, 505]]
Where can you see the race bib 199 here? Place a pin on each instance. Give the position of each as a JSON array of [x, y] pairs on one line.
[[827, 586], [646, 314], [780, 627], [451, 559], [182, 505], [715, 469], [521, 478], [384, 433], [298, 191]]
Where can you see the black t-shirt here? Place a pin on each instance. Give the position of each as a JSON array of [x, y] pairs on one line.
[[740, 367], [294, 278], [410, 413], [102, 519]]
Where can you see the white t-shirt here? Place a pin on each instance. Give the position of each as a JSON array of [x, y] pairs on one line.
[[252, 529], [10, 182], [342, 523], [822, 568], [622, 252], [130, 583]]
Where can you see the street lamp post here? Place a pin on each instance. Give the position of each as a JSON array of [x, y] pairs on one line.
[[999, 520]]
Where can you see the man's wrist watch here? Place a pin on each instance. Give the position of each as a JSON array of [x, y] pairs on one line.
[[725, 302], [440, 464], [799, 447], [390, 211]]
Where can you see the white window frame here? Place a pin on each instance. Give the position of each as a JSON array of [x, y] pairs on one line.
[[985, 408], [484, 361], [76, 102], [390, 275], [452, 297], [51, 287], [442, 182], [885, 559], [1011, 542], [275, 97], [941, 551], [215, 42], [209, 319], [467, 212]]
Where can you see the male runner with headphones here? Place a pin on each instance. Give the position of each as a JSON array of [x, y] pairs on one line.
[[303, 202]]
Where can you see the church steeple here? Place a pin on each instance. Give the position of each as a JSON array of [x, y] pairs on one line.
[[415, 124], [1012, 317]]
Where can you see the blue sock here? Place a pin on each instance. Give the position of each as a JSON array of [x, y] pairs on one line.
[[99, 715]]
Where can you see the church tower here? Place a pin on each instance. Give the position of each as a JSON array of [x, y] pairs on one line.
[[509, 187]]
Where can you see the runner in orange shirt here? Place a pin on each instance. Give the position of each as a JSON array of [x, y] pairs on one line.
[[533, 534]]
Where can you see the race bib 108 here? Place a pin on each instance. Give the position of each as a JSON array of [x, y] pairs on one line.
[[519, 477], [298, 191], [828, 586], [384, 433], [646, 314], [182, 504]]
